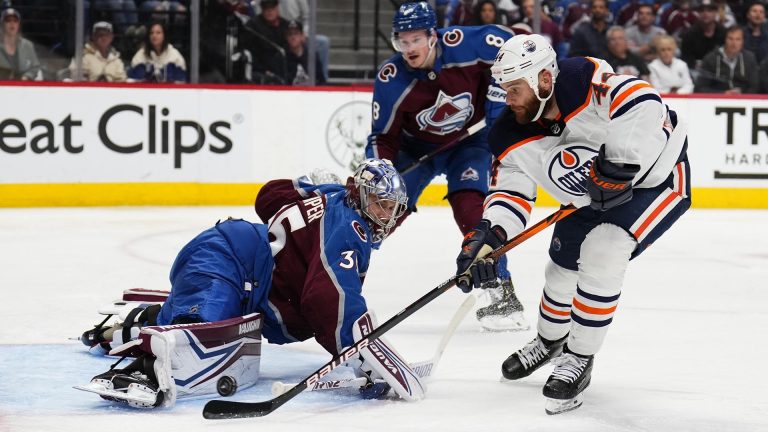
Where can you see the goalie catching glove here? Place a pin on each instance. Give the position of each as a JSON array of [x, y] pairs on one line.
[[610, 184], [472, 267]]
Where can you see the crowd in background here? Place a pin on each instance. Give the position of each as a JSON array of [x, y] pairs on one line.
[[148, 41], [679, 46]]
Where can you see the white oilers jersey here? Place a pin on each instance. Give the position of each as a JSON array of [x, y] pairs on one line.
[[597, 107]]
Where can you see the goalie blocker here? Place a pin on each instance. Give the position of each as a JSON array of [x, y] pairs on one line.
[[184, 360]]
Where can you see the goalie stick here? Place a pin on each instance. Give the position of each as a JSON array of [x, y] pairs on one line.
[[224, 409], [423, 369]]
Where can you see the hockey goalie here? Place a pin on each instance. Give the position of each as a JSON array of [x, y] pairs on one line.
[[297, 277]]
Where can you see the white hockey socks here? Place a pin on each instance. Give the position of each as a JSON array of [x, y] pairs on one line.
[[385, 363]]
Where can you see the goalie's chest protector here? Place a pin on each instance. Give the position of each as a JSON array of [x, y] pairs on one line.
[[557, 154]]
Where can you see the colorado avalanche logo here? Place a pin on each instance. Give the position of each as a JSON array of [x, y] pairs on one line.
[[387, 71], [453, 37], [359, 230], [448, 114], [529, 46], [569, 169]]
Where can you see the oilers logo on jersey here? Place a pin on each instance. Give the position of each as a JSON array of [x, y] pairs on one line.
[[448, 114], [569, 169]]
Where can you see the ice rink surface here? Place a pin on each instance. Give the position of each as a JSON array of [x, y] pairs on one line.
[[686, 351]]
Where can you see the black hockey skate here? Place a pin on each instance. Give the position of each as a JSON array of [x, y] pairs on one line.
[[135, 385], [532, 356], [505, 312], [564, 387]]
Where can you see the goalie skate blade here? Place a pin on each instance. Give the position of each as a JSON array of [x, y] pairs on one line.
[[502, 323], [134, 399], [559, 406]]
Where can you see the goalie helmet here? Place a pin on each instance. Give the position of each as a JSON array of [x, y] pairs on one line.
[[378, 192], [525, 56]]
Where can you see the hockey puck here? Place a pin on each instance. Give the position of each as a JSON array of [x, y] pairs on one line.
[[226, 386]]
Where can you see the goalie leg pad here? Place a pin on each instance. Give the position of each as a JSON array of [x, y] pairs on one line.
[[202, 358], [386, 363]]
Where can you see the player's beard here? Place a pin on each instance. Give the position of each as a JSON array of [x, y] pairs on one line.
[[524, 114]]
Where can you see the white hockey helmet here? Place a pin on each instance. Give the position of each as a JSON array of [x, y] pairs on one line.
[[524, 56]]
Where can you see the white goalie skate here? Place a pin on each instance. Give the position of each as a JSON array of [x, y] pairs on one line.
[[504, 311]]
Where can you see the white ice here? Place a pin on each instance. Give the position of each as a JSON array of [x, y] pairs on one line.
[[686, 351]]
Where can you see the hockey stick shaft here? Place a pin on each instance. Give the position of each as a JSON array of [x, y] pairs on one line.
[[223, 409], [466, 134], [423, 369]]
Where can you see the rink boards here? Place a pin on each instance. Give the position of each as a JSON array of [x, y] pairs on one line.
[[94, 145]]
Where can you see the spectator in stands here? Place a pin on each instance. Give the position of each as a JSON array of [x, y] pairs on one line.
[[122, 12], [669, 74], [264, 36], [101, 61], [756, 31], [764, 76], [641, 34], [485, 12], [724, 15], [549, 29], [702, 37], [573, 13], [18, 59], [162, 11], [678, 18], [298, 10], [589, 37], [298, 60], [729, 69], [463, 15], [157, 60], [627, 14], [623, 60], [509, 12]]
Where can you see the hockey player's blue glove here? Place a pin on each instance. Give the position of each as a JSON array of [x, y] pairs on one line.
[[472, 267], [610, 184]]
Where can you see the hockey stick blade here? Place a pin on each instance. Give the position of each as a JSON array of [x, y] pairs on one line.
[[223, 409]]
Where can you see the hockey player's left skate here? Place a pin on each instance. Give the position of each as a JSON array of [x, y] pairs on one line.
[[505, 313], [564, 388]]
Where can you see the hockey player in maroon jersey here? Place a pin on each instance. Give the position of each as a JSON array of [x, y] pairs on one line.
[[605, 143], [435, 89], [298, 277]]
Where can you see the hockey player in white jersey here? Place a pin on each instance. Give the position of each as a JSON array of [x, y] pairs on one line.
[[607, 144]]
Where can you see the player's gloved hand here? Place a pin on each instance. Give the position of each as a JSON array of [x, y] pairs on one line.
[[472, 267], [610, 184]]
